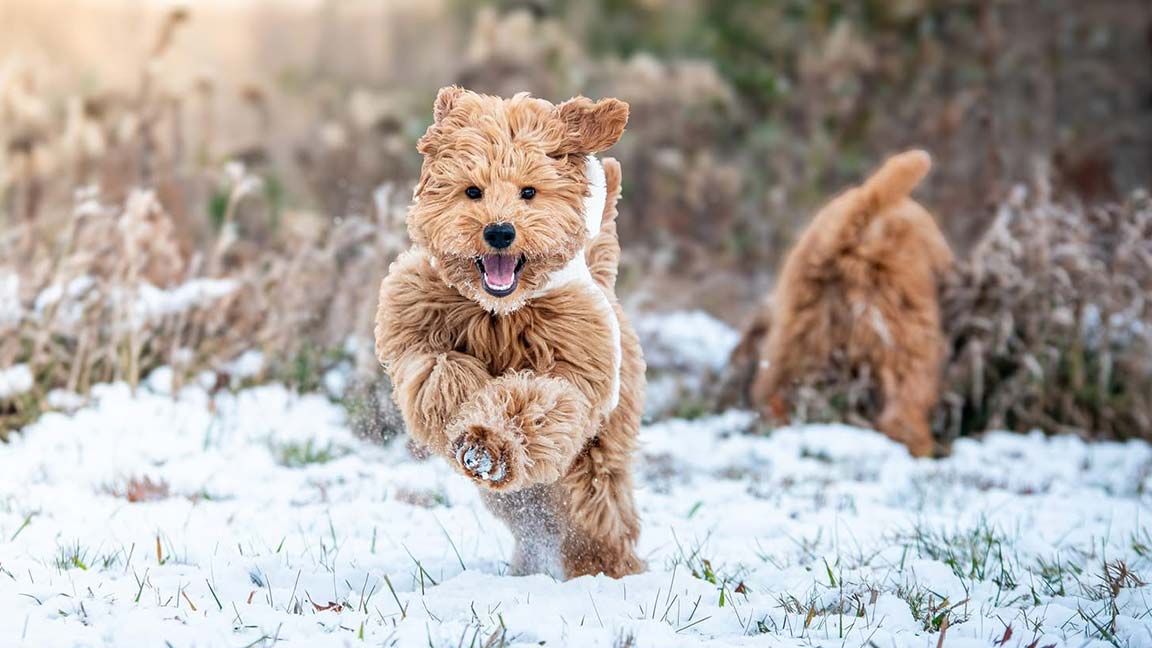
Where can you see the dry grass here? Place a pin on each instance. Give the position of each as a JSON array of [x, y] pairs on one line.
[[111, 298], [137, 490], [159, 260], [1050, 321]]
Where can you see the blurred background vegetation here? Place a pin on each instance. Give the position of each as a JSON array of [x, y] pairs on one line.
[[270, 143]]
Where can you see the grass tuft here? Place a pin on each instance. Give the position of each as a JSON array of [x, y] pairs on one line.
[[298, 455]]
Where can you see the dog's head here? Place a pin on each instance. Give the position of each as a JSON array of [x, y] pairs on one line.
[[508, 190]]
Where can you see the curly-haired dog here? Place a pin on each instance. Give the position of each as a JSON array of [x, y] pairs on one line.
[[862, 282], [508, 352]]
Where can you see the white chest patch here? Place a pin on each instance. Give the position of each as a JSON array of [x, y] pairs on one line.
[[875, 318], [597, 195], [576, 272]]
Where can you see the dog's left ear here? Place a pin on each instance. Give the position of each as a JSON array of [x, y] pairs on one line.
[[446, 99], [591, 126]]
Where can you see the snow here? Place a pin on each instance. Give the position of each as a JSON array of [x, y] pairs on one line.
[[148, 304], [62, 399], [686, 339], [153, 304], [10, 308], [279, 524], [246, 365], [684, 350], [15, 380], [335, 380], [74, 291]]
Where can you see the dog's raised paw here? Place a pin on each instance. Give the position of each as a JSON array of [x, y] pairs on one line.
[[481, 459]]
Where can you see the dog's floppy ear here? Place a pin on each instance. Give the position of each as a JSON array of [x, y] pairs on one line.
[[446, 100], [591, 126]]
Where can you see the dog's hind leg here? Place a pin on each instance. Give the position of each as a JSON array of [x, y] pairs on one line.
[[537, 525], [603, 525]]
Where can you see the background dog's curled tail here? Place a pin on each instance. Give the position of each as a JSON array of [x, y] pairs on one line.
[[844, 225], [897, 178]]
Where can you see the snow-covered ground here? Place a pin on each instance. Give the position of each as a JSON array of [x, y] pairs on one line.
[[262, 519]]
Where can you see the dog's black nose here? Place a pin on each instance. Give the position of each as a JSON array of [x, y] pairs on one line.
[[500, 235]]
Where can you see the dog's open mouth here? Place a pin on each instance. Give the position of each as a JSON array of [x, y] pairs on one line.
[[500, 273]]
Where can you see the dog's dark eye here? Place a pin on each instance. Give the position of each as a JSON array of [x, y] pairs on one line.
[[475, 193], [528, 193]]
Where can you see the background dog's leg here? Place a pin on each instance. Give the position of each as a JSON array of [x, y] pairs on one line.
[[908, 401], [775, 372], [797, 341], [768, 393]]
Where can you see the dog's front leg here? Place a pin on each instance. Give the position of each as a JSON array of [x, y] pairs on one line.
[[430, 388], [521, 429]]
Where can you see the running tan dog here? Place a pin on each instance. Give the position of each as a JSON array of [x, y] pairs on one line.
[[862, 280], [508, 352]]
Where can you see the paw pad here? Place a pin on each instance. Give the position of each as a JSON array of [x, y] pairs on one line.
[[478, 461]]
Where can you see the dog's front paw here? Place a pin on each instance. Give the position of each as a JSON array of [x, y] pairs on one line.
[[520, 429], [489, 458]]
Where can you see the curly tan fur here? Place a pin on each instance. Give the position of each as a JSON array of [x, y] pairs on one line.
[[861, 284], [535, 395]]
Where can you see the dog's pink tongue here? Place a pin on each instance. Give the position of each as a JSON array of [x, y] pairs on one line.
[[500, 270]]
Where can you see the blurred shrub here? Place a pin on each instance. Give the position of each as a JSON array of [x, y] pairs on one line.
[[1050, 322], [823, 87]]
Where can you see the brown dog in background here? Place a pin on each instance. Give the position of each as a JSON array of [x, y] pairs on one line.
[[862, 282]]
